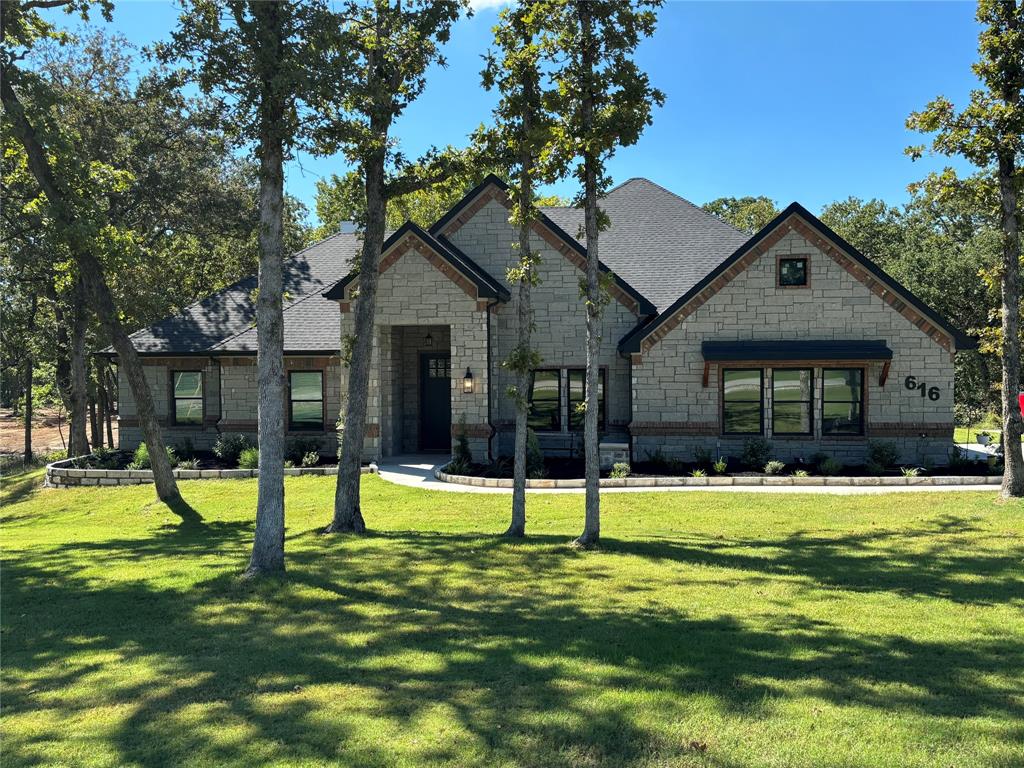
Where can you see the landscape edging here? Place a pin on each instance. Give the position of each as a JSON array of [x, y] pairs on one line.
[[687, 482], [63, 474]]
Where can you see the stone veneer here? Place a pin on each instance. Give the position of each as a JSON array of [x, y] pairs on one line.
[[674, 413]]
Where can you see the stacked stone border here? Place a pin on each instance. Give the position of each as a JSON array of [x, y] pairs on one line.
[[63, 474], [661, 482]]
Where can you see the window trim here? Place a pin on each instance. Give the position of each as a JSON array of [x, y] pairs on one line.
[[560, 411], [602, 375], [292, 427], [793, 257], [174, 399], [863, 403], [721, 402], [810, 403]]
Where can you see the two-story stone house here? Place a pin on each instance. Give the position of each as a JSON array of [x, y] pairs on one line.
[[710, 338]]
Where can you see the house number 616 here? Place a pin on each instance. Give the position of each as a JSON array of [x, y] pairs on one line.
[[912, 383]]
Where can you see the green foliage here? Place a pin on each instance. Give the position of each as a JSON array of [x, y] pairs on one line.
[[141, 458], [699, 473], [297, 448], [229, 447], [801, 473], [910, 471], [747, 214], [620, 469], [462, 455], [756, 452], [883, 453], [720, 465], [534, 456], [249, 458], [774, 467], [191, 463], [702, 457], [311, 459], [830, 466]]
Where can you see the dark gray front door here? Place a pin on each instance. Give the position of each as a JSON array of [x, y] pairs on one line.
[[435, 401]]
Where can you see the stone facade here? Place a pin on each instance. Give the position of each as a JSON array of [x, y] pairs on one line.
[[675, 413]]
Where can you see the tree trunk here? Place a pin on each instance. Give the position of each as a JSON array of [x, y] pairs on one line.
[[268, 545], [79, 390], [96, 290], [591, 457], [347, 513], [29, 362], [96, 432], [1013, 424], [104, 402]]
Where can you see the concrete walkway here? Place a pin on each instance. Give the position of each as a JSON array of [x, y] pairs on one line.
[[417, 471]]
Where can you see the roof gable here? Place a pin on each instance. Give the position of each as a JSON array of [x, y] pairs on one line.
[[797, 218]]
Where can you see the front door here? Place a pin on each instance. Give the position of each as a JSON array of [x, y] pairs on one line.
[[435, 401]]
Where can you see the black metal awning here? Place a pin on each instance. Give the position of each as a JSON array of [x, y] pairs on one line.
[[795, 350]]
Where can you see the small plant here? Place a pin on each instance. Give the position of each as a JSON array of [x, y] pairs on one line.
[[105, 458], [774, 467], [249, 458], [289, 464], [311, 459], [620, 469], [698, 473], [830, 466], [192, 463], [456, 467], [910, 471], [228, 448], [462, 454], [297, 448], [756, 452], [883, 453], [801, 473], [141, 458], [534, 456], [720, 466]]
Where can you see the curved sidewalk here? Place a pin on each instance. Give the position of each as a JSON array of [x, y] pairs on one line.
[[417, 471]]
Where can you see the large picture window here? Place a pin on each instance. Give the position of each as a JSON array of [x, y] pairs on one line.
[[306, 400], [792, 401], [742, 402], [187, 394], [545, 401], [842, 405], [577, 380]]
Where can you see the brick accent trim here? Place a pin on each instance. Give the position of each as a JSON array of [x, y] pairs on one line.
[[909, 429], [794, 223], [664, 428], [548, 235], [472, 430]]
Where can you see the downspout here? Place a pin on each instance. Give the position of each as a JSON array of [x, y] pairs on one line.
[[490, 382]]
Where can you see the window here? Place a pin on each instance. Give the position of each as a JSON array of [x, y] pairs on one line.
[[742, 401], [545, 401], [187, 393], [842, 404], [792, 401], [793, 272], [577, 379], [306, 400]]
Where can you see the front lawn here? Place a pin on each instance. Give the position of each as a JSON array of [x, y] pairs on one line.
[[709, 630]]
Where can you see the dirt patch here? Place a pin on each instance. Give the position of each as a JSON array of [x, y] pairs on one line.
[[47, 429]]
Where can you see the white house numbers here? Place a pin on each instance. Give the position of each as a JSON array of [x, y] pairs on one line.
[[911, 383]]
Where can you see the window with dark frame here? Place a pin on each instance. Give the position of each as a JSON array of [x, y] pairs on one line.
[[187, 393], [306, 400], [742, 401], [577, 379], [842, 402], [545, 401], [792, 401], [793, 272]]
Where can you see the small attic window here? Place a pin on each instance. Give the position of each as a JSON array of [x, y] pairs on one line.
[[793, 272]]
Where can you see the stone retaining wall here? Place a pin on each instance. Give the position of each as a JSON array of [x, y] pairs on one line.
[[63, 474], [652, 482]]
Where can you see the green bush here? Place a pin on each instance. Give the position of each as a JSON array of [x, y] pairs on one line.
[[801, 473], [192, 463], [105, 458], [721, 465], [910, 471], [249, 458], [228, 448], [141, 458], [774, 467], [297, 448], [534, 456], [830, 466], [698, 473], [756, 452], [883, 453], [462, 455], [620, 469], [311, 459]]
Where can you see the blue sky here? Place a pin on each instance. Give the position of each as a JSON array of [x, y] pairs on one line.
[[799, 101]]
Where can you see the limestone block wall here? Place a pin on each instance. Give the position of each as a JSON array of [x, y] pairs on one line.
[[674, 412], [560, 332]]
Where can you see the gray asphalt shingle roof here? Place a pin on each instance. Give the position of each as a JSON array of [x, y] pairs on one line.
[[658, 242]]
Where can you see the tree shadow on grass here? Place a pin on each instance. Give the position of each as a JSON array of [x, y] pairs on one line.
[[524, 676]]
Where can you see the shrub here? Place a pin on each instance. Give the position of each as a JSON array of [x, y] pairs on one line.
[[883, 453], [817, 458], [311, 459], [192, 463], [830, 466], [702, 457], [249, 458], [457, 467], [534, 456], [289, 464], [801, 473], [186, 449], [698, 473], [774, 467], [910, 471], [756, 452], [228, 448], [462, 455], [105, 458], [720, 466], [297, 448], [59, 455], [620, 469], [874, 468], [141, 458]]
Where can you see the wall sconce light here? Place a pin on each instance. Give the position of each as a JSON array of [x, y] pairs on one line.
[[467, 382], [428, 340]]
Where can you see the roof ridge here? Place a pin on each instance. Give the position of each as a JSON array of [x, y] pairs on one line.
[[688, 202], [253, 327]]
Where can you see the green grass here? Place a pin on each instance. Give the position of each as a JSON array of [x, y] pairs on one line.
[[708, 630], [969, 434]]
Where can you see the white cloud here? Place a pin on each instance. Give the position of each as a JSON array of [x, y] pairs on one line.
[[479, 5]]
